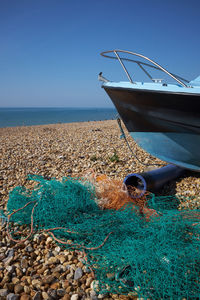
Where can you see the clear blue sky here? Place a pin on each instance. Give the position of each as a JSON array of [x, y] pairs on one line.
[[49, 49]]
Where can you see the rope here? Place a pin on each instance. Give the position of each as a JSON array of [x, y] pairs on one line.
[[86, 261], [77, 245], [31, 231], [123, 136], [49, 231]]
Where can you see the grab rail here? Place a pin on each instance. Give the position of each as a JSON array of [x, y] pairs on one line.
[[139, 63]]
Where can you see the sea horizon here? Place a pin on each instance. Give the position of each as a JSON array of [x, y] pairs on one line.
[[28, 116]]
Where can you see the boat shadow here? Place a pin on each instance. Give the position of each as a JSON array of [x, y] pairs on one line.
[[170, 188]]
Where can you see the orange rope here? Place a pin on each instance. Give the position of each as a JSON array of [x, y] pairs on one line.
[[77, 245], [49, 231], [86, 259], [31, 231], [112, 195], [57, 228]]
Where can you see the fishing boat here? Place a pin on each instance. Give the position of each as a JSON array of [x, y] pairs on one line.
[[163, 117]]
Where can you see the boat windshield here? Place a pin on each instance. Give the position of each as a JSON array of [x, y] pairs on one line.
[[114, 54]]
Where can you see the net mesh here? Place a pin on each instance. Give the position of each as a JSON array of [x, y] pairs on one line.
[[143, 245]]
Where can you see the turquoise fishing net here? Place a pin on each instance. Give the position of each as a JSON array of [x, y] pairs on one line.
[[159, 259]]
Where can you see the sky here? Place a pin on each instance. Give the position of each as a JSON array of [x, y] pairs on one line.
[[50, 49]]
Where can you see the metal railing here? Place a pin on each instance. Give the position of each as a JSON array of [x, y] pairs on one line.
[[141, 65]]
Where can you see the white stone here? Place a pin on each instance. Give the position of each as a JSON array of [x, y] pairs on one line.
[[74, 297]]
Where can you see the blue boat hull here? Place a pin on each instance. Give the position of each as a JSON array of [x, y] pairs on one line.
[[165, 124], [181, 149]]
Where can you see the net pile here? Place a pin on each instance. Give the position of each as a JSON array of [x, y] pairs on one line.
[[150, 247]]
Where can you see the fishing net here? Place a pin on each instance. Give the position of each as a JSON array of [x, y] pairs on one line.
[[146, 247]]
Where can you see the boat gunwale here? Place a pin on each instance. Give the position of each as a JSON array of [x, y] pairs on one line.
[[152, 91]]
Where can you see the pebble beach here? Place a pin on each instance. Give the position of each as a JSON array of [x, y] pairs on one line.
[[38, 268]]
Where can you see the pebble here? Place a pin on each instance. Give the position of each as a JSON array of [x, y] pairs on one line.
[[10, 287], [61, 292], [37, 296], [52, 293], [58, 249], [35, 283], [78, 274], [3, 293], [74, 297], [66, 297], [49, 240], [24, 263], [61, 258], [10, 253], [10, 269], [93, 295], [15, 280], [29, 249], [7, 261], [89, 281], [25, 297], [12, 297], [45, 295], [48, 279], [18, 289], [27, 289], [52, 260]]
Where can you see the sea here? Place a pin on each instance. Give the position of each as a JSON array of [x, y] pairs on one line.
[[10, 117]]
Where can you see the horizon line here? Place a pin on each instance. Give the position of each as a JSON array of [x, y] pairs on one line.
[[74, 107]]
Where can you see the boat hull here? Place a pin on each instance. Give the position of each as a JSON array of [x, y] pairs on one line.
[[167, 125]]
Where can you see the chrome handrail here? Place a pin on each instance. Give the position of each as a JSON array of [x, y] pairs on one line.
[[139, 63]]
